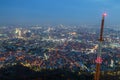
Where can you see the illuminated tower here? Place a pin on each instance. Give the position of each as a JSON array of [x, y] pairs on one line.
[[99, 58]]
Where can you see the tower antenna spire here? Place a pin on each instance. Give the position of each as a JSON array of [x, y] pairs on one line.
[[99, 58]]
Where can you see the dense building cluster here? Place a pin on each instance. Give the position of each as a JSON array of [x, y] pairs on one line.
[[53, 47]]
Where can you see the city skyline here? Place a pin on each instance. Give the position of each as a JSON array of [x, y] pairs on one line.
[[56, 12]]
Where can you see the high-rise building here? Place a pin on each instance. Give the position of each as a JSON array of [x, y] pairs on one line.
[[18, 33]]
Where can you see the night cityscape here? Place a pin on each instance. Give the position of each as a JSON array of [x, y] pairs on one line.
[[58, 49]]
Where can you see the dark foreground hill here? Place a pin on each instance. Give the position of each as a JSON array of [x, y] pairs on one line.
[[19, 72]]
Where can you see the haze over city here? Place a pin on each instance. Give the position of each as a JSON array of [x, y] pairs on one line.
[[58, 11]]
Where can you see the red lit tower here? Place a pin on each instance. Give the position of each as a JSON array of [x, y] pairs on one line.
[[99, 58]]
